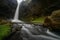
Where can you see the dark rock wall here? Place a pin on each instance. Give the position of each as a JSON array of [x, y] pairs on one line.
[[34, 9], [7, 8]]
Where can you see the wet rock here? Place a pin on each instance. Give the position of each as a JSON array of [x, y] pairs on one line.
[[15, 27]]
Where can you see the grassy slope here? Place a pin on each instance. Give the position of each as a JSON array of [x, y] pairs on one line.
[[4, 31], [39, 20]]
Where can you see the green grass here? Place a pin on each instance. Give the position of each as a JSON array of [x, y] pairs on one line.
[[4, 31], [38, 20]]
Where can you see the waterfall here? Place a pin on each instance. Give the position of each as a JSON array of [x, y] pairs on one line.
[[30, 31], [17, 10], [16, 16], [16, 19], [17, 13]]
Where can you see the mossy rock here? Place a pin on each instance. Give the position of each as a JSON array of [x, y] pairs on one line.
[[53, 21]]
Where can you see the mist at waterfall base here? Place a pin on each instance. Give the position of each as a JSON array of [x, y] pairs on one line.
[[33, 32]]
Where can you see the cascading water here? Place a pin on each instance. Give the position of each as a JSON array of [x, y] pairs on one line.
[[16, 19], [16, 16], [31, 33]]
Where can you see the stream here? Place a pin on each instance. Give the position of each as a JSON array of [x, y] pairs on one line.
[[33, 32], [37, 32]]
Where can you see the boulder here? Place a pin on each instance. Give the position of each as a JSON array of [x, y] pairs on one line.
[[53, 21]]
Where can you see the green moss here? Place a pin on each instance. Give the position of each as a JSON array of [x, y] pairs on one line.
[[39, 20], [4, 31]]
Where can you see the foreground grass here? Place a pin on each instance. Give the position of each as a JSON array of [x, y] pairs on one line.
[[4, 31], [39, 20]]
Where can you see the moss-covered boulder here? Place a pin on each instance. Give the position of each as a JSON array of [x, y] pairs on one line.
[[53, 22]]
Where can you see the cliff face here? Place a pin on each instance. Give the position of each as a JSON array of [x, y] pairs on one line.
[[34, 9], [6, 7]]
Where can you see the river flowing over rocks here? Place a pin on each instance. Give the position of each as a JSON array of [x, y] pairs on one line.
[[34, 32]]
